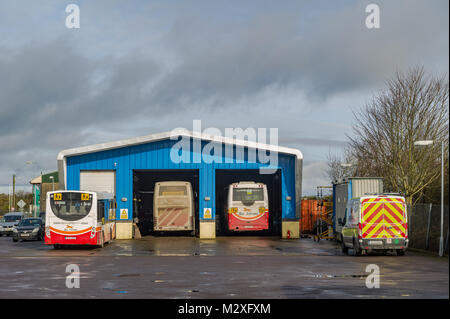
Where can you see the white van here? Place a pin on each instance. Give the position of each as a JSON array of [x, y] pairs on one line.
[[375, 223]]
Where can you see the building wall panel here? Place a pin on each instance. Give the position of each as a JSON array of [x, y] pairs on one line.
[[156, 155]]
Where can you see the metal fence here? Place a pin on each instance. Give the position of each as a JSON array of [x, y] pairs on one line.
[[425, 227]]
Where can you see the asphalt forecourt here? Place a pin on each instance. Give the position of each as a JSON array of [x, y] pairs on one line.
[[224, 268]]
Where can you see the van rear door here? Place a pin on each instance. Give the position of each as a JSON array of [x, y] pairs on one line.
[[383, 217]]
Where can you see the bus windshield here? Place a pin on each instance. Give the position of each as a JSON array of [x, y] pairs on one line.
[[172, 190], [71, 206], [248, 194]]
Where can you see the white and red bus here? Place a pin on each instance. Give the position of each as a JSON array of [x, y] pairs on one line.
[[247, 207], [79, 218]]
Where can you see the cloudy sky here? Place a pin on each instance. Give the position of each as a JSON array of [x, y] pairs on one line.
[[141, 67]]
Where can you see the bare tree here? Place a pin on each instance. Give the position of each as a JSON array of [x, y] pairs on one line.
[[413, 107], [338, 166]]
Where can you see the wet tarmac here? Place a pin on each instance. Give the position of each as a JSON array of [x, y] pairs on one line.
[[227, 267]]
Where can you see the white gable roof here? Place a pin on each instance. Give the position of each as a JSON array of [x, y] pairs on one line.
[[173, 134]]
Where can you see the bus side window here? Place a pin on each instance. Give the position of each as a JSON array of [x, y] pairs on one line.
[[111, 211], [107, 208], [100, 210]]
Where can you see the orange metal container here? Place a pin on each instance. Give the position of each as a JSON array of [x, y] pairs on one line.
[[310, 213]]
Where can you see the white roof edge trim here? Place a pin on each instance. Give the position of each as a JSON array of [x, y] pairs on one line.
[[171, 135]]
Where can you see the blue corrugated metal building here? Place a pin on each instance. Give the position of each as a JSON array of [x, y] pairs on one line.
[[122, 159]]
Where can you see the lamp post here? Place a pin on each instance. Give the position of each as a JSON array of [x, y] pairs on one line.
[[441, 239]]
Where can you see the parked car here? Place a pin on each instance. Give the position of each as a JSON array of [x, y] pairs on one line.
[[8, 222], [29, 229]]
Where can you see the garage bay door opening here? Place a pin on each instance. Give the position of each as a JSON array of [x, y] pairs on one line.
[[225, 177], [144, 194]]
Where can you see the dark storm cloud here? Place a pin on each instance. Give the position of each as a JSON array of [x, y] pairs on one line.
[[53, 90], [333, 53], [51, 93], [292, 140], [57, 86]]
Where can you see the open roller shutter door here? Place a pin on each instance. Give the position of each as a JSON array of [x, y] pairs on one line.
[[98, 181]]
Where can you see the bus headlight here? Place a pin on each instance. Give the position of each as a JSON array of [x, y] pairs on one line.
[[233, 210], [47, 231], [262, 210]]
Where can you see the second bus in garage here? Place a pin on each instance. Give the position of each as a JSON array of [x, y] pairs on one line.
[[173, 206], [247, 207]]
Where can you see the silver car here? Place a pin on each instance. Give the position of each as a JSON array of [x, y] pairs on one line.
[[9, 221]]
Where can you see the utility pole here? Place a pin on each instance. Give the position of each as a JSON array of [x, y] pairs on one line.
[[9, 197], [441, 239], [14, 193]]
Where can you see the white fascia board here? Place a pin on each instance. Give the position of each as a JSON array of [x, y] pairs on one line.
[[172, 135]]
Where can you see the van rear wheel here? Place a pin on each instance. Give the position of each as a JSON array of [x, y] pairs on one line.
[[356, 249], [343, 247], [400, 252]]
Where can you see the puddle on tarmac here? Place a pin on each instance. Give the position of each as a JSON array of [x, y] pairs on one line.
[[337, 276], [126, 275], [351, 276]]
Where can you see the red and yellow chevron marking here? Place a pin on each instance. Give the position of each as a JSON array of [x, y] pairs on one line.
[[383, 218]]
